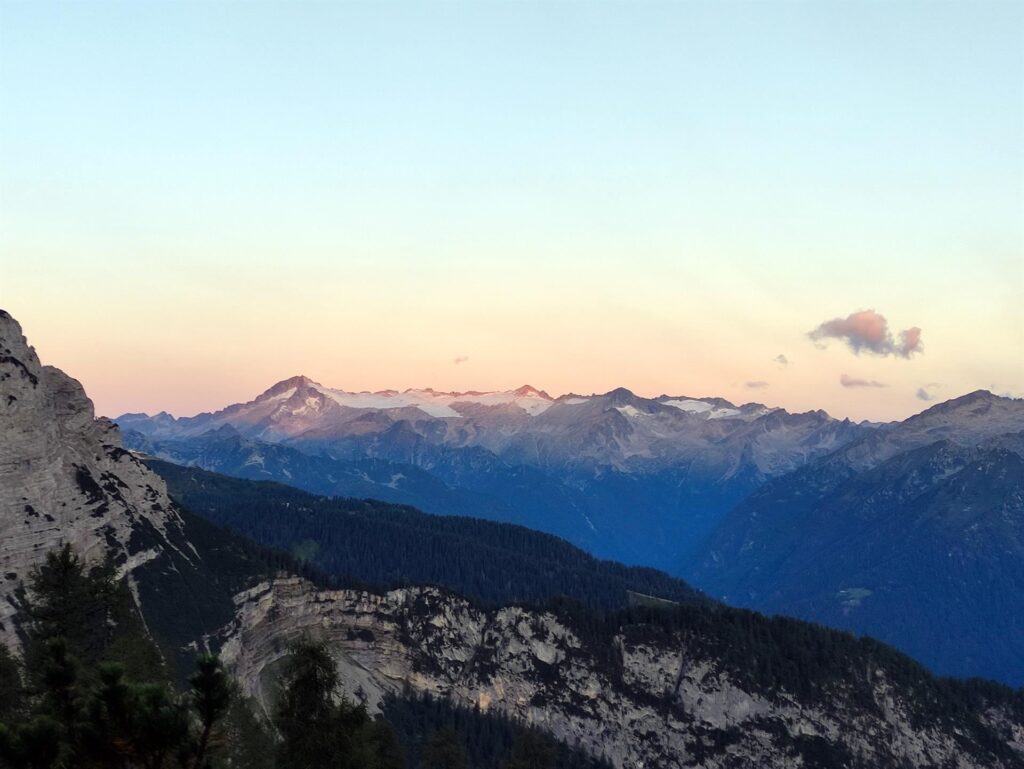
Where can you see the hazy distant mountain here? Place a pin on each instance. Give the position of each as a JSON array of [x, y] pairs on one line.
[[636, 479], [913, 534]]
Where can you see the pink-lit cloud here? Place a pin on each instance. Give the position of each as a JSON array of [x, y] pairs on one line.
[[868, 331], [758, 385], [849, 381], [460, 359]]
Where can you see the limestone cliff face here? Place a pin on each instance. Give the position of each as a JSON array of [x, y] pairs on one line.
[[648, 701], [64, 477]]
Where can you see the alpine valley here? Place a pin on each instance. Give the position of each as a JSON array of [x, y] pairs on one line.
[[912, 532], [622, 665], [635, 479]]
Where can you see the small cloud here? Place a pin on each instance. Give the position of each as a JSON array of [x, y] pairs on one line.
[[782, 360], [849, 381], [460, 359], [910, 342], [868, 330], [758, 385], [924, 393]]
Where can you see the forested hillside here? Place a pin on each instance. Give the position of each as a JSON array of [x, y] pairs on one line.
[[438, 735], [385, 544], [377, 543]]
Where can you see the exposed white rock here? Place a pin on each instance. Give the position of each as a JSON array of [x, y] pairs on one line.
[[64, 477], [653, 707]]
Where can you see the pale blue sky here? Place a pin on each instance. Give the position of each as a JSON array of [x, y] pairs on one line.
[[674, 192]]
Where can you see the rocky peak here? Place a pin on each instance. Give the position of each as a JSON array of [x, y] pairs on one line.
[[967, 420], [528, 391], [64, 476], [299, 382], [973, 404], [620, 396]]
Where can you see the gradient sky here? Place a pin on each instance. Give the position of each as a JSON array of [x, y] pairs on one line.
[[197, 200]]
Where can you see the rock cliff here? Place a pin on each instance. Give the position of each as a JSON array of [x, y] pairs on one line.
[[641, 696], [64, 478]]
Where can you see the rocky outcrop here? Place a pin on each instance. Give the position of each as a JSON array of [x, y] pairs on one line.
[[643, 698], [64, 477]]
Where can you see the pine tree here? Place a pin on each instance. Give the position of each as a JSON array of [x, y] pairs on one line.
[[107, 734], [531, 750], [444, 751], [386, 751], [33, 745], [160, 725], [247, 740], [70, 603], [211, 697], [314, 729], [92, 612], [12, 689], [62, 696], [79, 709], [320, 730]]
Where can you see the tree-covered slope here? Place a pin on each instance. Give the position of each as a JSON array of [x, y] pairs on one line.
[[386, 544], [431, 728]]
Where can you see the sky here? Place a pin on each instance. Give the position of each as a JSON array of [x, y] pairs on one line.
[[748, 200]]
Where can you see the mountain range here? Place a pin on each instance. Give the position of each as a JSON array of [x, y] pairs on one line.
[[693, 684], [913, 534], [909, 531], [640, 480]]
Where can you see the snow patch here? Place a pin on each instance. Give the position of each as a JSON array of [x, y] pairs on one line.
[[392, 400], [438, 404], [255, 458], [702, 407], [694, 407], [630, 411]]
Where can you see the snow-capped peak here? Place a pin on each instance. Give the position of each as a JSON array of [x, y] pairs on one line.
[[705, 409], [528, 391], [435, 403], [286, 388]]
